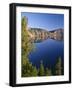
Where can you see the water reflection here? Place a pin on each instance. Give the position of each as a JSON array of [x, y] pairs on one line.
[[39, 40]]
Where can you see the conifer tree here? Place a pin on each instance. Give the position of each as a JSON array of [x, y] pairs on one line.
[[26, 47], [58, 67], [48, 72], [34, 71], [41, 69]]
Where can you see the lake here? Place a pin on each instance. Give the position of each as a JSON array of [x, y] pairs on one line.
[[47, 51]]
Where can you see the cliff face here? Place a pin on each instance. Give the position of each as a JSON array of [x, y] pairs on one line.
[[57, 34], [44, 34], [39, 33]]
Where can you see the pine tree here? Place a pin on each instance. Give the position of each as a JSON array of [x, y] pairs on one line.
[[34, 71], [58, 67], [41, 69], [26, 44], [26, 48], [48, 72]]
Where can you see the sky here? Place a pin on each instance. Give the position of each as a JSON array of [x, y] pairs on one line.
[[46, 21]]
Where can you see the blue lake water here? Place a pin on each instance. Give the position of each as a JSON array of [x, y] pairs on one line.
[[47, 51]]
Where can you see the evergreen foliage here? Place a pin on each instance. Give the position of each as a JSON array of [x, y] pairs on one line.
[[41, 69], [58, 67], [27, 47], [48, 72]]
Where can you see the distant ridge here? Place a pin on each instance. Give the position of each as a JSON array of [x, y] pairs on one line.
[[38, 29], [58, 29]]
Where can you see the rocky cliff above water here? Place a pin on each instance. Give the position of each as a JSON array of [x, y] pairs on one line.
[[38, 33]]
